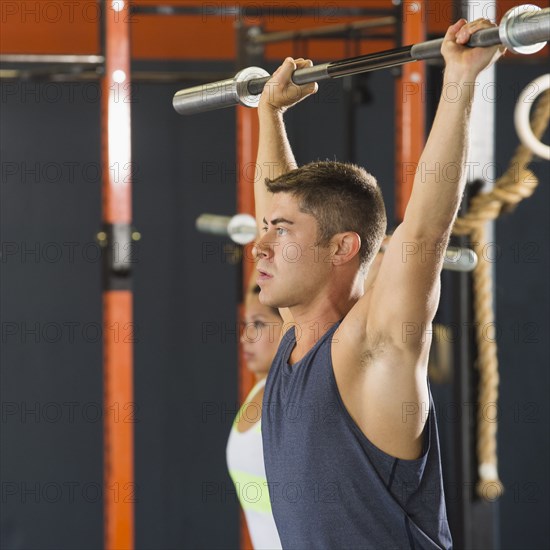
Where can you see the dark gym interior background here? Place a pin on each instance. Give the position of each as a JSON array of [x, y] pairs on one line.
[[185, 291]]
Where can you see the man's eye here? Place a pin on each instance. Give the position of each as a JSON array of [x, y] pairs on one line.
[[281, 231], [259, 325]]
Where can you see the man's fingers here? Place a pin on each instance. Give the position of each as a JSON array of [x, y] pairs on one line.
[[466, 31], [461, 31], [310, 88], [287, 68], [458, 36], [301, 63], [313, 86], [285, 93], [290, 65], [307, 88], [453, 30]]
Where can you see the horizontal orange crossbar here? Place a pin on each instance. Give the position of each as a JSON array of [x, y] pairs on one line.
[[58, 26]]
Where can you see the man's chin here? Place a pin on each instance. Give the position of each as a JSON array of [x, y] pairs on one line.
[[267, 299], [264, 298]]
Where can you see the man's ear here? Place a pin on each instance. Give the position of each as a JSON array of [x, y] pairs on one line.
[[345, 247]]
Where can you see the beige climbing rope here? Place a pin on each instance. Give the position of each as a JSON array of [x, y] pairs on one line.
[[516, 184]]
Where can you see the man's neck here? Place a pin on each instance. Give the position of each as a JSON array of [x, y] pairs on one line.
[[311, 324]]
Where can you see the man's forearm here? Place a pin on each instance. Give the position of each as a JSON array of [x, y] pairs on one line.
[[440, 177], [274, 158], [274, 153]]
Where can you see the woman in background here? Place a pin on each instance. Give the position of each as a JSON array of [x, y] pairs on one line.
[[260, 338]]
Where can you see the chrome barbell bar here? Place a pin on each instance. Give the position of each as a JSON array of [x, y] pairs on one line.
[[524, 29]]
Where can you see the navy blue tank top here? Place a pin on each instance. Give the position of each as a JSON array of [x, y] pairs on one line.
[[330, 487]]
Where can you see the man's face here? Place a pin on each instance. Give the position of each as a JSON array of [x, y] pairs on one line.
[[292, 268]]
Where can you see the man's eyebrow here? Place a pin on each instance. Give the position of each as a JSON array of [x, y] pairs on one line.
[[278, 220]]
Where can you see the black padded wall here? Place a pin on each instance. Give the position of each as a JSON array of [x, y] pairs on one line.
[[50, 313], [522, 258]]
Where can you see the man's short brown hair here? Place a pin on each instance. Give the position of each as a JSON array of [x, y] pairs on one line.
[[341, 197]]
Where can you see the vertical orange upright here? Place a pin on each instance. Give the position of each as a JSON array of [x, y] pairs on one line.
[[247, 148], [119, 489], [410, 108]]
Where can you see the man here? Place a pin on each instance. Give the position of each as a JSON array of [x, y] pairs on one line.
[[349, 431]]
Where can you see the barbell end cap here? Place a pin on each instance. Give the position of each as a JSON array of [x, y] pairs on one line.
[[217, 95], [241, 80], [212, 224], [206, 97], [506, 34], [242, 229], [460, 259]]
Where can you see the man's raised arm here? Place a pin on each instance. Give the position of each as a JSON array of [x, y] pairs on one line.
[[275, 155], [409, 294], [440, 177], [399, 311]]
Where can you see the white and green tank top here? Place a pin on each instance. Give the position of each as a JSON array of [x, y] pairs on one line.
[[245, 461]]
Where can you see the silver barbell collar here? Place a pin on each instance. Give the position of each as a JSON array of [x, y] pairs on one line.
[[514, 35]]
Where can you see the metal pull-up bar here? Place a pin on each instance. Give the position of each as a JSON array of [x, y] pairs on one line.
[[523, 29], [322, 32]]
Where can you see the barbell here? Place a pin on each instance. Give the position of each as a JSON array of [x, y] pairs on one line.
[[524, 29]]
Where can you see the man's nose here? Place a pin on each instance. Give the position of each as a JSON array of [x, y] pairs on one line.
[[261, 248]]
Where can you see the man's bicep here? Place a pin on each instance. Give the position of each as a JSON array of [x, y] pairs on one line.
[[406, 293]]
